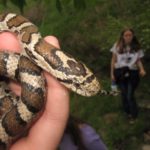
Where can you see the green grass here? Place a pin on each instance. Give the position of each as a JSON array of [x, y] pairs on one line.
[[105, 114]]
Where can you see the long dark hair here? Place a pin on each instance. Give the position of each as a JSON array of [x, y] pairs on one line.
[[74, 130], [134, 45]]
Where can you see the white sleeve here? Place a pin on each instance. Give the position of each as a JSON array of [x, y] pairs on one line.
[[140, 53], [114, 48]]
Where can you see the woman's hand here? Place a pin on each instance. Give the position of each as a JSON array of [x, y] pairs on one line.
[[113, 77], [142, 72]]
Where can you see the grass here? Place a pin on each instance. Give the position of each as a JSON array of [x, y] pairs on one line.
[[105, 114]]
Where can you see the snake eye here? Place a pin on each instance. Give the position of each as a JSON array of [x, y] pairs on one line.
[[77, 85]]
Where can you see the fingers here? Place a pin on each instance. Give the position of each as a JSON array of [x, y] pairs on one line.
[[52, 40], [9, 41], [112, 78], [15, 87]]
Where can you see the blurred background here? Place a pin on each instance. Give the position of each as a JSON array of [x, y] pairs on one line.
[[87, 29]]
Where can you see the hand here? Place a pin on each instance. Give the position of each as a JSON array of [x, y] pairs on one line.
[[46, 133], [142, 72], [113, 77]]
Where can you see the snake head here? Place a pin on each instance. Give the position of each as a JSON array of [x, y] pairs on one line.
[[89, 86], [74, 74], [78, 78]]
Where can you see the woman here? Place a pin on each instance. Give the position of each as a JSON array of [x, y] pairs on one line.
[[126, 66], [80, 136]]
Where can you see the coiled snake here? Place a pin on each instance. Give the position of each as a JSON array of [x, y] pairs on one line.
[[17, 113]]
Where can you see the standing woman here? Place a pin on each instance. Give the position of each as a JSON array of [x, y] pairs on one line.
[[126, 66]]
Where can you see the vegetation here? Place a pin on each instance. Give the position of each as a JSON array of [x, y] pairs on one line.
[[91, 30]]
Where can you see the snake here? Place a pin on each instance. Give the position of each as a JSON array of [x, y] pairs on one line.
[[17, 113]]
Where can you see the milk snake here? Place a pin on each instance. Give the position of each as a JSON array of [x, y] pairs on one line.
[[18, 113]]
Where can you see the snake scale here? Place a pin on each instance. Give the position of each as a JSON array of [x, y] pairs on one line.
[[18, 113]]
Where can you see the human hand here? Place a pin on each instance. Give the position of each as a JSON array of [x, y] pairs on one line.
[[142, 72], [46, 133], [113, 77]]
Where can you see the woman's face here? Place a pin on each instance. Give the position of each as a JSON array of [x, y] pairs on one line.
[[128, 36]]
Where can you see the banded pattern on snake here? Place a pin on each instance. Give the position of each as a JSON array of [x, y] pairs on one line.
[[17, 113]]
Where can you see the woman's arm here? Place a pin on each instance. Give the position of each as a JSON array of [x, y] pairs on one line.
[[141, 68], [113, 60]]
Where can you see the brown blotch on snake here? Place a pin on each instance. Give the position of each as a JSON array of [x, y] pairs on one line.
[[27, 66], [2, 17], [6, 104], [78, 68], [47, 51], [13, 123], [33, 98], [20, 20], [3, 61], [28, 31]]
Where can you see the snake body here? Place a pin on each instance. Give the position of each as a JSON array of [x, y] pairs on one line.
[[18, 113]]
